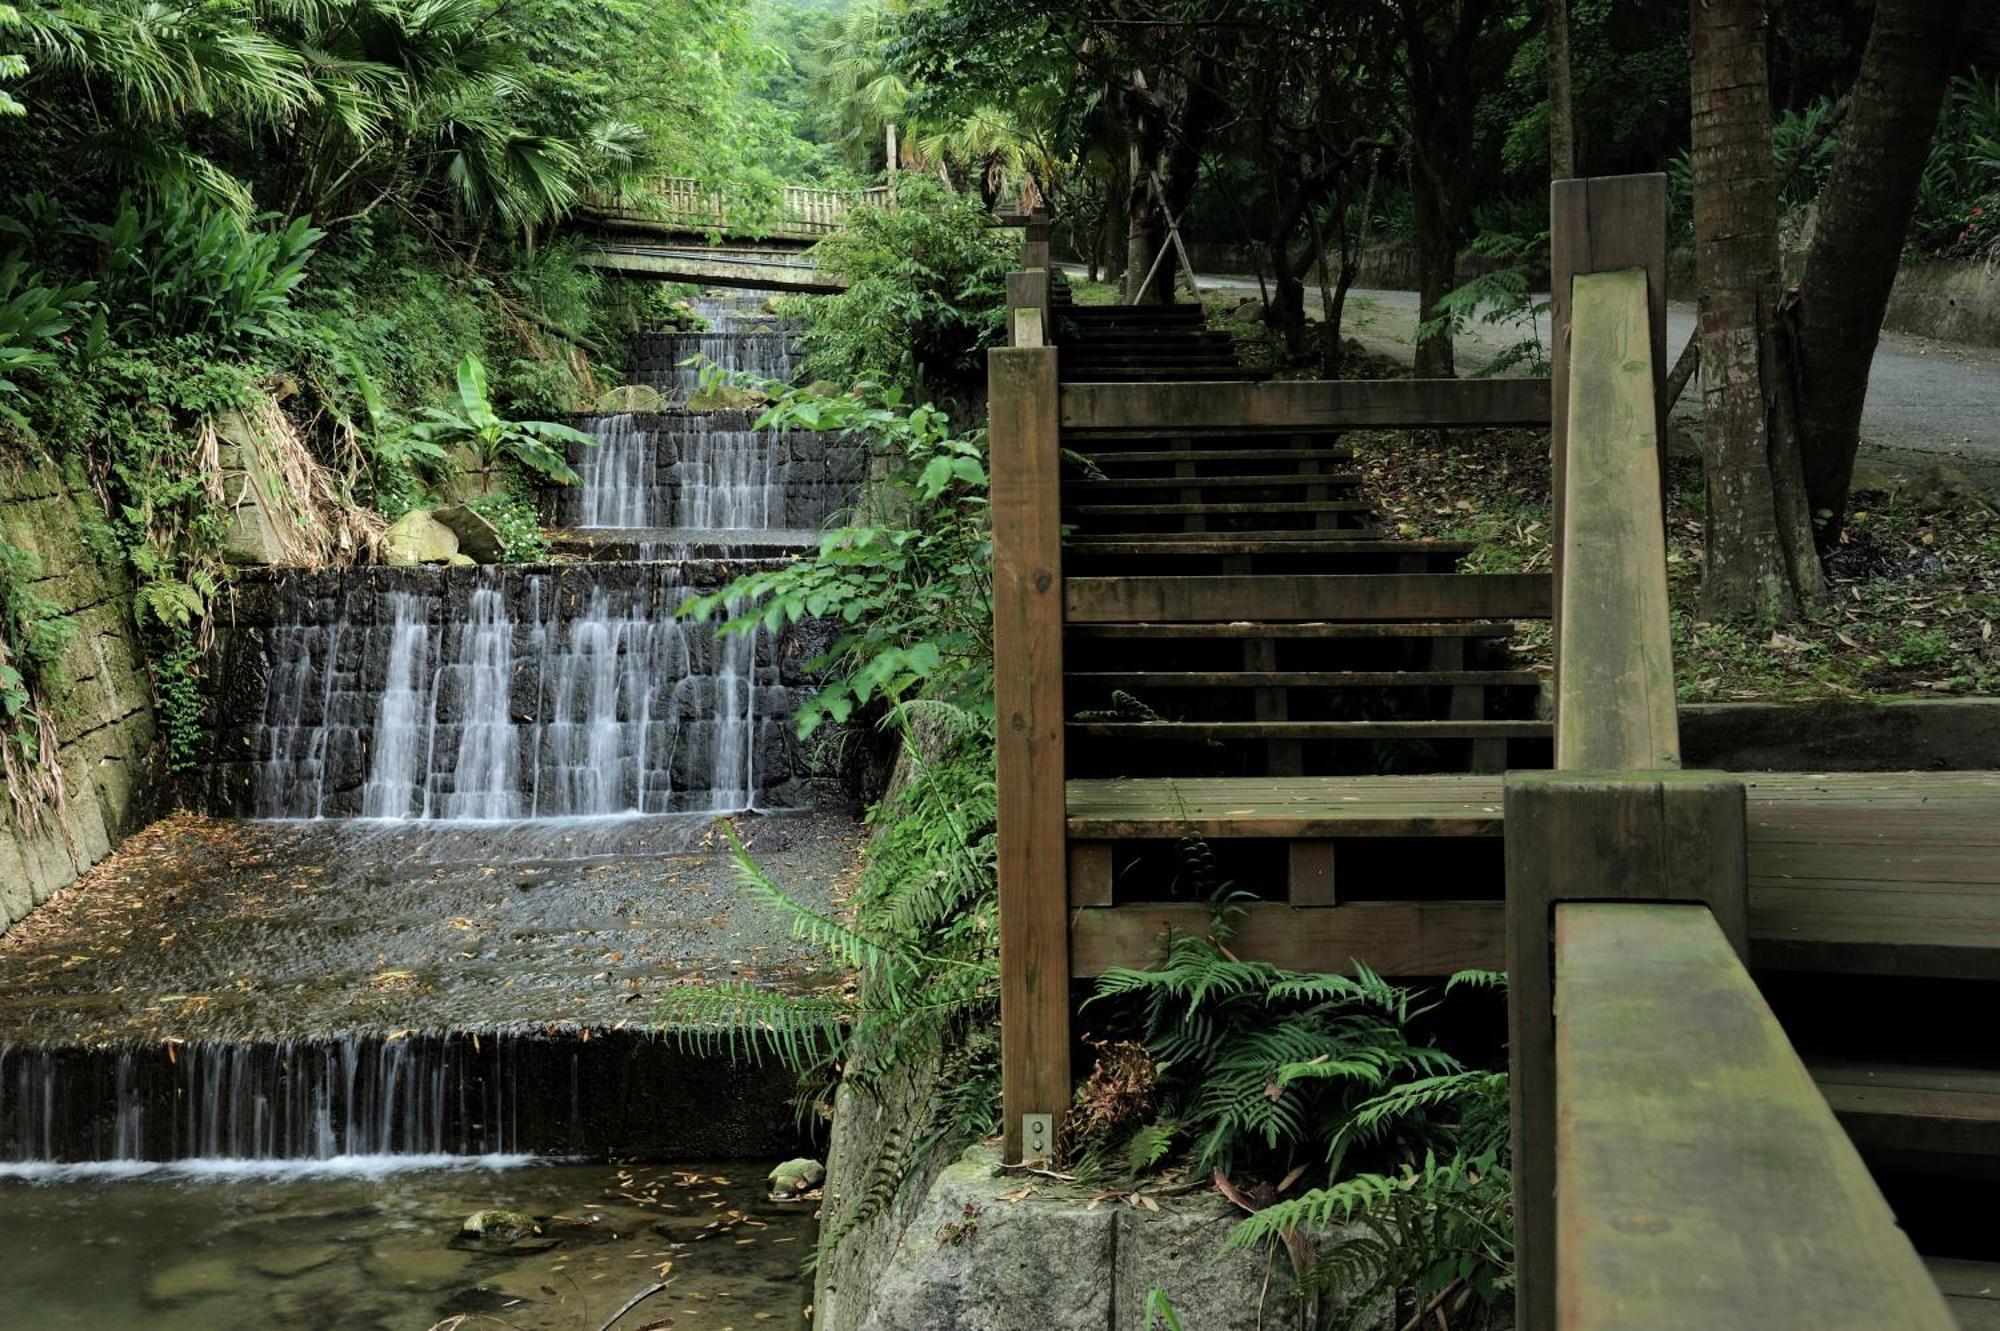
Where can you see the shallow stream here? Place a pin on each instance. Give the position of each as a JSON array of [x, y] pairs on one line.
[[370, 1244]]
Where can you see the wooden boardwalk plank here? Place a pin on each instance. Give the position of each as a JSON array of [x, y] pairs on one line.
[[1308, 404], [1312, 730], [1303, 679], [1281, 807]]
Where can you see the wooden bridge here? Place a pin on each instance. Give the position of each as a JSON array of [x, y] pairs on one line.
[[689, 233], [1734, 1000]]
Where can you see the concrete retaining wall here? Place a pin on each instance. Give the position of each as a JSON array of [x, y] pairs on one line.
[[104, 709]]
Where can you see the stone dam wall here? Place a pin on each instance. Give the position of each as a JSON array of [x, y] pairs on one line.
[[103, 709]]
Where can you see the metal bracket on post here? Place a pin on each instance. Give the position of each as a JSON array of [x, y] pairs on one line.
[[1038, 1132]]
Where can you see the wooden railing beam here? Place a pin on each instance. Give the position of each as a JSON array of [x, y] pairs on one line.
[[1306, 404], [1703, 1182]]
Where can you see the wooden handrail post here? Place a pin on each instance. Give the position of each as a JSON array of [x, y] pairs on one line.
[[1601, 224], [1024, 467], [1028, 309], [1580, 836]]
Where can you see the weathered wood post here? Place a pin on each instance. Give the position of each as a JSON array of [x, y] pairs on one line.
[[1028, 720], [1029, 289]]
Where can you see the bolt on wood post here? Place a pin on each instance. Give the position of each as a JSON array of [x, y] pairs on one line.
[[1023, 408]]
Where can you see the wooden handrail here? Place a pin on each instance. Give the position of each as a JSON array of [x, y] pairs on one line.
[[1701, 1179], [1615, 696], [805, 211], [1674, 1165]]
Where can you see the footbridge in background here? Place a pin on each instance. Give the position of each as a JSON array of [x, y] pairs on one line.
[[682, 231]]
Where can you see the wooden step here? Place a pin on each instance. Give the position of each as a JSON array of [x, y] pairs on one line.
[[1266, 481], [1971, 1290], [1303, 679], [1118, 314], [1329, 596], [1133, 808], [1891, 873], [1161, 374], [1926, 1111], [1162, 510], [1312, 730], [1219, 544], [1293, 631], [1279, 534], [1104, 457]]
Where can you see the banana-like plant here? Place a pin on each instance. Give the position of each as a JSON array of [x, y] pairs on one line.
[[32, 317], [474, 425]]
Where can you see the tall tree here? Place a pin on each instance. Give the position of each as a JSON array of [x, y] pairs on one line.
[[1759, 559], [1452, 54], [1562, 111], [1864, 218]]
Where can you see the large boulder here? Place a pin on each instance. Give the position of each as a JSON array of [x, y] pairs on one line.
[[478, 539], [725, 397], [990, 1251], [418, 538], [631, 397]]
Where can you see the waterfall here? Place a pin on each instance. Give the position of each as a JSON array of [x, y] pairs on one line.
[[291, 1100], [697, 471], [551, 697]]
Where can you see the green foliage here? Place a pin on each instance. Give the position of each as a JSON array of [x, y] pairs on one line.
[[923, 943], [926, 294], [512, 513], [34, 634], [1958, 196], [32, 317], [1159, 1312], [1264, 1067], [912, 595], [537, 445], [175, 265], [1503, 297], [1437, 1229], [174, 657]]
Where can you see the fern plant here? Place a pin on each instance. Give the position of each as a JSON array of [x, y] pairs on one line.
[[922, 944], [1434, 1231], [1266, 1064]]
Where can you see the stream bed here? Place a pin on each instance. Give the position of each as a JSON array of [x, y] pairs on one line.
[[369, 1244]]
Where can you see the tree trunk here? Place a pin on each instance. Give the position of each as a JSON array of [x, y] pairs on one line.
[[1562, 116], [1759, 559], [1437, 274], [1863, 220]]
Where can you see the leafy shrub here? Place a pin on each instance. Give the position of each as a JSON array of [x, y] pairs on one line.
[[537, 445], [512, 514], [34, 634], [912, 594], [32, 317], [179, 265], [927, 292]]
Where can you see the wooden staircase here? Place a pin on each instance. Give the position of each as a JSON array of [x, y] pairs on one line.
[[1144, 343], [1202, 629]]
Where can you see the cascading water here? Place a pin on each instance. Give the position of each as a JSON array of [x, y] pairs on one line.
[[693, 471], [553, 696]]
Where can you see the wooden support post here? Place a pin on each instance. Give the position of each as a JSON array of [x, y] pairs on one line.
[[1311, 874], [1028, 710], [1028, 308], [1580, 836], [1602, 224]]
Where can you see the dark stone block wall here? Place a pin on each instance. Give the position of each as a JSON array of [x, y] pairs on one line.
[[301, 664]]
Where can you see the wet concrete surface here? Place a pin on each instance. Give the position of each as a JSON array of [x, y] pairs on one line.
[[216, 929]]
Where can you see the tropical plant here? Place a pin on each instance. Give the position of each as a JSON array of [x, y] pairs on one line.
[[178, 264], [911, 594], [474, 425], [12, 64], [1502, 297], [1261, 1068], [32, 316]]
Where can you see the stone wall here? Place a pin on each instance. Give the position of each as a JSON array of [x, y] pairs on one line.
[[104, 709]]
